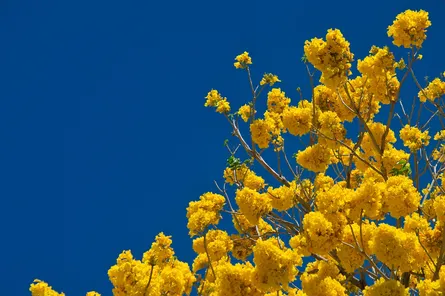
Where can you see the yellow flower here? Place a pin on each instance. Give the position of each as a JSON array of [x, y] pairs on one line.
[[440, 135], [315, 158], [245, 112], [397, 248], [242, 60], [130, 276], [334, 200], [386, 287], [328, 100], [204, 212], [429, 288], [235, 280], [434, 90], [270, 79], [283, 197], [319, 234], [409, 28], [275, 265], [260, 130], [253, 204], [223, 106], [245, 176], [322, 278], [401, 198], [160, 252], [379, 71], [297, 120], [332, 57], [331, 129], [413, 138], [214, 99], [40, 288], [368, 198], [218, 244], [277, 101]]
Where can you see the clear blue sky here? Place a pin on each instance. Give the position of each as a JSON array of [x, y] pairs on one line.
[[104, 135]]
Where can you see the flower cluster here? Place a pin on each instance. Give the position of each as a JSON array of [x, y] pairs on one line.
[[332, 57], [270, 79], [159, 273], [202, 213], [413, 138], [409, 28], [253, 204], [433, 91], [214, 99], [243, 60]]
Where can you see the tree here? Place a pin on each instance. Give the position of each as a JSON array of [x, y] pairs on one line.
[[352, 218]]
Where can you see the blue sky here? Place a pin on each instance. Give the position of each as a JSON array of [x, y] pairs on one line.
[[104, 135]]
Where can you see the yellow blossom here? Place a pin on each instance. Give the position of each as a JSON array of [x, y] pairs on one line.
[[253, 204], [245, 112], [243, 60], [160, 252], [235, 280], [275, 266], [434, 90], [379, 71], [277, 100], [223, 106], [204, 212], [397, 248], [214, 99], [409, 28], [322, 278], [40, 288], [283, 197], [319, 233], [413, 138], [217, 243], [315, 158], [401, 198], [260, 130], [386, 287], [297, 120], [331, 129], [245, 176], [270, 79], [332, 57]]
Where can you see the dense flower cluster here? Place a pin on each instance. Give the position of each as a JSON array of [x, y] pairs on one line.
[[409, 28], [433, 91], [204, 212], [413, 138], [40, 288], [243, 60], [332, 57], [214, 99], [253, 204], [148, 277], [270, 79]]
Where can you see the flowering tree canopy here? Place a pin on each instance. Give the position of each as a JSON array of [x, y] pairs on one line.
[[356, 212]]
